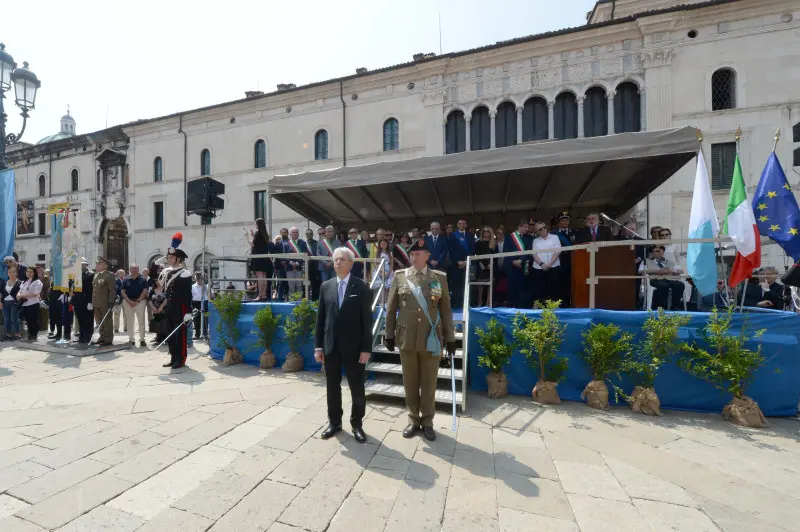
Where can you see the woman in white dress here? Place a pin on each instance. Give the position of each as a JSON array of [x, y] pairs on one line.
[[29, 294]]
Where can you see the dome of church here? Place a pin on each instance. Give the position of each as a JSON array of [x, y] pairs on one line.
[[67, 129]]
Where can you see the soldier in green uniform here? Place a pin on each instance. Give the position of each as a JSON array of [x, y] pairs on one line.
[[104, 295], [424, 322]]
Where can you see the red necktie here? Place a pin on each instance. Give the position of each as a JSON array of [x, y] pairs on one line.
[[594, 235]]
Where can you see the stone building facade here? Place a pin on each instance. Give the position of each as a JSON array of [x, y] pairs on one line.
[[636, 65]]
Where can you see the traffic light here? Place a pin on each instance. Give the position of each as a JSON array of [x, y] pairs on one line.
[[203, 197], [796, 138]]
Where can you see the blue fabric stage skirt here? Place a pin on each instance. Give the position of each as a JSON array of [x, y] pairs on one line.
[[776, 386], [248, 339]]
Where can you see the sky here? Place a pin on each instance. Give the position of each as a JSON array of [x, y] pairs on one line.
[[115, 62]]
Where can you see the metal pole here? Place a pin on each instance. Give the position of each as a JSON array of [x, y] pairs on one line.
[[269, 213], [203, 287], [2, 131], [744, 293], [592, 272]]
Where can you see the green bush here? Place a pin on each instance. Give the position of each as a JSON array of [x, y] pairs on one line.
[[298, 326], [229, 306], [660, 343], [539, 340], [728, 365], [492, 340], [267, 323], [605, 348]]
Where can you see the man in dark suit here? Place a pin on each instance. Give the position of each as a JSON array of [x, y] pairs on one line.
[[294, 266], [593, 232], [343, 339], [462, 245], [437, 244], [518, 267], [359, 250]]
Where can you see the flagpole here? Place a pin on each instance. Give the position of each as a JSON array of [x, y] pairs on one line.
[[777, 138]]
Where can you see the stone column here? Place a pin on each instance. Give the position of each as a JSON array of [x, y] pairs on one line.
[[468, 133], [551, 120], [658, 81], [581, 125], [444, 136], [610, 97], [642, 110], [519, 124], [492, 114]]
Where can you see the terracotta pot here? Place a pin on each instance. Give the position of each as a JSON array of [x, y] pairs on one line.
[[267, 359], [497, 383], [645, 401], [545, 392], [596, 395], [294, 362], [745, 412], [232, 356]]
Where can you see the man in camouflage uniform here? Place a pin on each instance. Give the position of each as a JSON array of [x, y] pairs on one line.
[[104, 295], [422, 327]]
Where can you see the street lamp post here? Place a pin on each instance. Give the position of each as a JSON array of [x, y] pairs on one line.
[[25, 86]]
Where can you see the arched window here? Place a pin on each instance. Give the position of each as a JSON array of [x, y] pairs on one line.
[[260, 154], [321, 145], [627, 108], [534, 120], [479, 132], [566, 116], [205, 163], [42, 187], [158, 170], [595, 113], [74, 184], [391, 135], [455, 133], [505, 125], [723, 89]]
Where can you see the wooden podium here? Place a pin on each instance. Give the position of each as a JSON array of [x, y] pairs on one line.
[[610, 294]]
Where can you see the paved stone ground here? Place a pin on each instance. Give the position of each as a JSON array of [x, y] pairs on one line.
[[115, 442]]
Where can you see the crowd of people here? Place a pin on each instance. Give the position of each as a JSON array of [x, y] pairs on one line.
[[518, 281]]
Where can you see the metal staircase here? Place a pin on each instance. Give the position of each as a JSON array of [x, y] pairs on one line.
[[385, 373]]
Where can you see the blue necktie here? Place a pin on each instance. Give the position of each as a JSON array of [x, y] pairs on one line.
[[342, 286]]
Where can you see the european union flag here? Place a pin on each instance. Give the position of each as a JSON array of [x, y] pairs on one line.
[[775, 207]]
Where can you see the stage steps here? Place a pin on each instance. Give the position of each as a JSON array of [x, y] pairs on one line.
[[385, 370]]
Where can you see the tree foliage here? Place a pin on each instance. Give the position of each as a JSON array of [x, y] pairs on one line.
[[605, 348], [496, 351], [727, 364], [659, 344], [297, 327], [539, 340], [229, 305], [267, 323]]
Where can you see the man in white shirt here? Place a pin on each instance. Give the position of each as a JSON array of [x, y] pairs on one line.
[[663, 272], [200, 295]]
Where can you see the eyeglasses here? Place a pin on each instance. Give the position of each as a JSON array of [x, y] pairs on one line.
[[353, 232]]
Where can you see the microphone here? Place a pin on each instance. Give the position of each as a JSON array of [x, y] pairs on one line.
[[612, 220]]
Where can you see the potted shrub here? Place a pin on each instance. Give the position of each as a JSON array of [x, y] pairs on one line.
[[539, 340], [728, 365], [659, 344], [229, 306], [297, 328], [266, 323], [496, 355], [605, 347]]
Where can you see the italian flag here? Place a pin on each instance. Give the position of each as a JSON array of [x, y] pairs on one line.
[[740, 225]]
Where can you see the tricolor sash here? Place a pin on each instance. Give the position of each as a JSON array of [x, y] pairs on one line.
[[432, 344], [327, 246], [294, 246], [518, 241], [403, 252], [354, 249], [463, 239]]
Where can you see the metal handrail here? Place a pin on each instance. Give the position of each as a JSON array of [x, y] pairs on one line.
[[381, 308]]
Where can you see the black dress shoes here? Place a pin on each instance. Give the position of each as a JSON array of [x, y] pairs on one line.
[[168, 364], [429, 434], [358, 434], [330, 431], [410, 431], [179, 365]]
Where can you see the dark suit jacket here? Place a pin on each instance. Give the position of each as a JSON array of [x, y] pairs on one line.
[[510, 246], [346, 330], [287, 248], [361, 246], [440, 252], [584, 234], [457, 250]]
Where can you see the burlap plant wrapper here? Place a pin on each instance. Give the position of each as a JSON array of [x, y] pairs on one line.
[[232, 356], [744, 412], [294, 362], [645, 401], [497, 383], [596, 395], [545, 392], [267, 359]]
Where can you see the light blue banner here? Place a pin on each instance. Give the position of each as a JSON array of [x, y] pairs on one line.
[[57, 232], [8, 214]]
